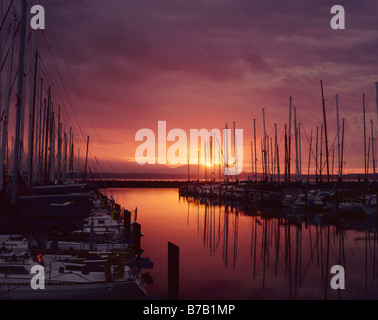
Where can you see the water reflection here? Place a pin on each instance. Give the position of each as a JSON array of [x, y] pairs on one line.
[[302, 246], [236, 251]]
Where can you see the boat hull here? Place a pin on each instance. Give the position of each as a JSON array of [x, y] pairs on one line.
[[93, 291]]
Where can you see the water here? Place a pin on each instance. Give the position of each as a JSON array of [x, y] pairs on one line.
[[242, 253]]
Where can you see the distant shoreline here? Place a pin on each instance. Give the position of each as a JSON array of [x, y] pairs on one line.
[[111, 184], [176, 184]]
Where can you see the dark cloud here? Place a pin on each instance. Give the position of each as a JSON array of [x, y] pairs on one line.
[[137, 61]]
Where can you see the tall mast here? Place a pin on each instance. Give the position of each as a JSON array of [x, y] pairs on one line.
[[252, 169], [47, 121], [31, 148], [289, 151], [262, 158], [6, 104], [30, 117], [65, 150], [316, 154], [235, 153], [296, 143], [198, 164], [59, 169], [372, 148], [38, 126], [376, 93], [254, 138], [86, 163], [265, 157], [286, 156], [42, 144], [342, 150], [338, 137], [277, 156], [78, 163], [325, 130], [19, 102], [321, 153], [272, 172], [24, 102], [227, 176], [71, 154], [363, 104], [309, 159], [300, 152], [52, 146], [1, 54]]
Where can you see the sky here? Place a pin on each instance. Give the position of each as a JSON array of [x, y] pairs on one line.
[[198, 64]]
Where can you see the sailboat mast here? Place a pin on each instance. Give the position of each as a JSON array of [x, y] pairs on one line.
[[338, 137], [86, 163], [363, 105], [325, 129], [342, 149], [59, 169], [286, 156], [52, 146], [300, 152], [31, 92], [289, 151], [37, 125], [372, 147], [254, 138], [296, 144], [321, 153], [24, 103], [277, 155], [226, 149], [31, 149], [65, 150], [376, 93], [265, 155], [198, 163], [47, 121], [252, 169], [19, 102], [267, 159], [235, 153], [1, 52], [316, 154], [309, 158], [6, 104]]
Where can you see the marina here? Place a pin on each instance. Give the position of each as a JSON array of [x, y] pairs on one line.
[[241, 252], [195, 214]]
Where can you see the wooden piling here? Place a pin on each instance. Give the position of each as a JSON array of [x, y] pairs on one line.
[[173, 271], [127, 223], [136, 237]]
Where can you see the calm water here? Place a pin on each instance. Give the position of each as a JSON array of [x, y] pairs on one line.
[[235, 253]]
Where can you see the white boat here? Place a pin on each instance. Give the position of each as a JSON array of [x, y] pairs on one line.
[[100, 224], [13, 243], [351, 207], [86, 246], [68, 280], [369, 204]]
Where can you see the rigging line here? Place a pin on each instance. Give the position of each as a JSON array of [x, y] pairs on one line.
[[5, 16], [64, 87], [4, 44], [58, 93], [80, 96]]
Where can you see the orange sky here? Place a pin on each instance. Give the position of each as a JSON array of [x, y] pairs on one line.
[[118, 67]]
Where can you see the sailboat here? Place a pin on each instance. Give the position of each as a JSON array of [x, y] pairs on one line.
[[45, 196], [69, 279]]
